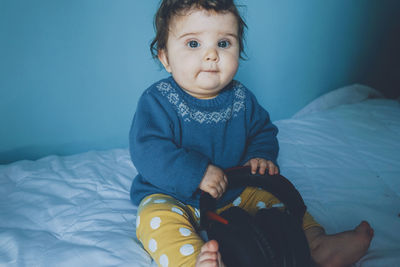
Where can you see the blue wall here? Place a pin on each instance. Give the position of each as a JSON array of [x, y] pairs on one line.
[[71, 72]]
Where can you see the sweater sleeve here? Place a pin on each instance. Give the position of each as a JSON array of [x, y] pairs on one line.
[[156, 156], [261, 133]]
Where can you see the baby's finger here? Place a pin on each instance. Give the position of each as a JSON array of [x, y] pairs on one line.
[[272, 170], [223, 186], [263, 167], [220, 192], [254, 165], [220, 188], [213, 192]]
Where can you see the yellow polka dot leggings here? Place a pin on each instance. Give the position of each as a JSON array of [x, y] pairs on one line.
[[167, 228]]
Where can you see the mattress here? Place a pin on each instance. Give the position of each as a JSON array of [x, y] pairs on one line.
[[342, 156]]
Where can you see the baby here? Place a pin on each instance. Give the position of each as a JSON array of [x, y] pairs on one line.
[[191, 126]]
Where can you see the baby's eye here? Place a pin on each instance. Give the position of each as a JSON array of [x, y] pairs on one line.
[[193, 44], [224, 44]]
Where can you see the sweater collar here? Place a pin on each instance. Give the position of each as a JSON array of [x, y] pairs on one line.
[[220, 100]]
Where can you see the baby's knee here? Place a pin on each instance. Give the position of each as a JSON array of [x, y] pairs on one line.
[[159, 211], [165, 228]]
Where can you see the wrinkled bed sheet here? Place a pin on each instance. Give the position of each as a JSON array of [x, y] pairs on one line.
[[75, 210]]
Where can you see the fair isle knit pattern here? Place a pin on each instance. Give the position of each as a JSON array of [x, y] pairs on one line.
[[192, 114]]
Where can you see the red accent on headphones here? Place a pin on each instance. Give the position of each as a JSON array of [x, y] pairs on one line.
[[215, 217]]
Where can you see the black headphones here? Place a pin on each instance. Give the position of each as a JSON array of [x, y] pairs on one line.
[[273, 237]]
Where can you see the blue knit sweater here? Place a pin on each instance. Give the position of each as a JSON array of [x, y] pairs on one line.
[[175, 136]]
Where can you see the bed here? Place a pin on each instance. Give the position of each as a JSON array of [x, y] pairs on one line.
[[342, 152]]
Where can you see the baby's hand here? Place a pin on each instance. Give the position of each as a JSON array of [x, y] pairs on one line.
[[214, 181], [262, 165]]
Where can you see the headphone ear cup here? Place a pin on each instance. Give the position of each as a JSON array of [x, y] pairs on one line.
[[239, 240], [298, 242], [270, 221], [286, 235]]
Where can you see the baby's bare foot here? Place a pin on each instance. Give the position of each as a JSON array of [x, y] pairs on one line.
[[209, 255], [342, 249]]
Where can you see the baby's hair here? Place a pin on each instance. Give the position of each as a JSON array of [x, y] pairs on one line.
[[170, 8]]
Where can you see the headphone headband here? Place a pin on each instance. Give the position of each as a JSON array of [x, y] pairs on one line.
[[277, 185]]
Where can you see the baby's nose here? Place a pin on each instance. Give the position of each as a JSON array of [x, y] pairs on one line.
[[211, 55]]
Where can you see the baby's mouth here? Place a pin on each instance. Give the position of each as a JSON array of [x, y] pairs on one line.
[[210, 71]]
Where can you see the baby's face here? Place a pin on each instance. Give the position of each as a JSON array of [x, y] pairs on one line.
[[202, 51]]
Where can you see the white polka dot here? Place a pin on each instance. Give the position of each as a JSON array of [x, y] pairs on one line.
[[186, 250], [185, 231], [158, 201], [237, 201], [164, 260], [137, 221], [152, 245], [261, 205], [146, 201], [175, 209], [197, 213], [155, 222]]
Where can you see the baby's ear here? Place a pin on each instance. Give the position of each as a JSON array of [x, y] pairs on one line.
[[163, 57]]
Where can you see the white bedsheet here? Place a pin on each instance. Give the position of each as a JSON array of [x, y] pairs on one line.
[[75, 210]]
